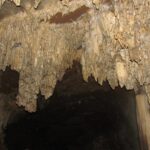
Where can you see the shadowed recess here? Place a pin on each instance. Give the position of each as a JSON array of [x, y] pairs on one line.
[[79, 116], [9, 80]]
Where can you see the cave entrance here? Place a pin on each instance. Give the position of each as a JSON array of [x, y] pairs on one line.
[[79, 116]]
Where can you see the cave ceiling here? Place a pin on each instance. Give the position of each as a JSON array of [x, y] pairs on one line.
[[40, 39]]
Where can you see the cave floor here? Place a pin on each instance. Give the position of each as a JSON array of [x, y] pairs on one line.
[[92, 121]]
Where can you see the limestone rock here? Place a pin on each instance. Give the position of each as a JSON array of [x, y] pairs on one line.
[[42, 38]]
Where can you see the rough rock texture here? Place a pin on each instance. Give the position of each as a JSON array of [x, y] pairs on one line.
[[41, 38]]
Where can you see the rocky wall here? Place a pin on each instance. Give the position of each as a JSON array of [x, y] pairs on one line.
[[41, 38]]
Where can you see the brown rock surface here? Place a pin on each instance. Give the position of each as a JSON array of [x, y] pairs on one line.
[[41, 38]]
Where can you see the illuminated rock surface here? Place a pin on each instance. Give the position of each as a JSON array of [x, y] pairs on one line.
[[41, 38]]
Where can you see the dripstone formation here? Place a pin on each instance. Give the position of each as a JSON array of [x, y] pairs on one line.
[[40, 39]]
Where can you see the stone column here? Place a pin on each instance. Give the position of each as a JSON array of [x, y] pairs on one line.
[[143, 119]]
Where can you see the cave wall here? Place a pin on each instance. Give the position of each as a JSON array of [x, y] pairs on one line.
[[110, 38], [40, 39]]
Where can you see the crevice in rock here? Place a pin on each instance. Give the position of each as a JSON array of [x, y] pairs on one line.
[[79, 116]]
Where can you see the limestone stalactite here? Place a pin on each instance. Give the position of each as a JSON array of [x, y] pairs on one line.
[[143, 117], [42, 38]]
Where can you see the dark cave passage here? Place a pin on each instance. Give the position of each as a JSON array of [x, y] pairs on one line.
[[79, 116], [9, 81]]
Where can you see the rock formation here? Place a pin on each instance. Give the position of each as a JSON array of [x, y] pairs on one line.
[[110, 38]]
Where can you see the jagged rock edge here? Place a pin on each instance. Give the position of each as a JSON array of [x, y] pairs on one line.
[[123, 66]]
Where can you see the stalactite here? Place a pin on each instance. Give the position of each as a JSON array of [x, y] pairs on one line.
[[39, 42], [143, 117]]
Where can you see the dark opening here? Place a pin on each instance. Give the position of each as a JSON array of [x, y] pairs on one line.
[[79, 116], [9, 81], [9, 111]]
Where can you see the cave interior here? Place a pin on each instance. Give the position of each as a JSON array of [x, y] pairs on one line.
[[78, 116]]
